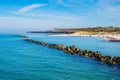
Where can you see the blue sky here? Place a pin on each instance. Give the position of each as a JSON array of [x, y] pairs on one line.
[[25, 15]]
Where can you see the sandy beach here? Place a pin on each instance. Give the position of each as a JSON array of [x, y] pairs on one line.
[[110, 37]]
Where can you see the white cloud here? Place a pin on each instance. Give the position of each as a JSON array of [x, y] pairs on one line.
[[16, 24], [108, 9], [30, 7]]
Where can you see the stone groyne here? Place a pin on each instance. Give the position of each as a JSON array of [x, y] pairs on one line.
[[111, 60], [21, 36]]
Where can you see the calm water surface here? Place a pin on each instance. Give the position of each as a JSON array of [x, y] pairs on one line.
[[20, 60]]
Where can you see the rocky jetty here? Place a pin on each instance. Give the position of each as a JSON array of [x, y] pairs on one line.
[[111, 60], [21, 36]]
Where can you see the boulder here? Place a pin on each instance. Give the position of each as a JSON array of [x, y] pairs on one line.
[[102, 59], [111, 62]]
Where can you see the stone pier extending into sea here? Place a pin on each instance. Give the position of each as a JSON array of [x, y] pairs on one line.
[[111, 60]]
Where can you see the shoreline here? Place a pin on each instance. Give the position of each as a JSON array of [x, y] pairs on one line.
[[109, 33], [109, 37]]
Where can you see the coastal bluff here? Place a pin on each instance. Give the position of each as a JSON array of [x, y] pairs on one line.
[[109, 33]]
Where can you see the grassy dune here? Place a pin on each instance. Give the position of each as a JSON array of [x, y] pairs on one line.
[[98, 30]]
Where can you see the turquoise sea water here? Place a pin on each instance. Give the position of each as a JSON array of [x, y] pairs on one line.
[[20, 60]]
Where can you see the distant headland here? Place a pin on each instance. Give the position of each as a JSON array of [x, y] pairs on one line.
[[109, 33]]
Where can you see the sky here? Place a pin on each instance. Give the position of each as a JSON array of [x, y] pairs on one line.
[[32, 15]]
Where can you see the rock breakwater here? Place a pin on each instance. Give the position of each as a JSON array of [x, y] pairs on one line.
[[111, 60], [21, 36]]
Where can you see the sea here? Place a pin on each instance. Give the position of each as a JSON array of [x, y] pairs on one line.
[[21, 60]]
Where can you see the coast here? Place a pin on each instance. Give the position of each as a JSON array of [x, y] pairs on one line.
[[109, 37], [108, 33]]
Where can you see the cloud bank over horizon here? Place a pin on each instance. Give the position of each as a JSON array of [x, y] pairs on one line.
[[40, 15]]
